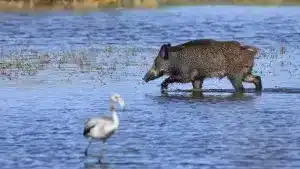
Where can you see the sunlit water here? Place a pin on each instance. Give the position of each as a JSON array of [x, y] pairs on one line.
[[42, 116]]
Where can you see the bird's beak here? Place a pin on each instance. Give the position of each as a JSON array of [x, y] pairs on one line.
[[122, 103]]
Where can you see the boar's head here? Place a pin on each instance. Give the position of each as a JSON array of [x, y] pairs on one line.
[[160, 64]]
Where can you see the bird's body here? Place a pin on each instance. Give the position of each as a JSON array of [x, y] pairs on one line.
[[101, 128]]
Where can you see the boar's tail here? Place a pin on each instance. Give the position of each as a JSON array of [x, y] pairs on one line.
[[253, 50]]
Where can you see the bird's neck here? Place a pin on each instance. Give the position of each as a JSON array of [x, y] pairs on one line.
[[114, 115], [115, 119], [112, 107]]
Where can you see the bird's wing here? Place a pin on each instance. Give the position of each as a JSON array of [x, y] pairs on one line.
[[99, 121], [89, 124]]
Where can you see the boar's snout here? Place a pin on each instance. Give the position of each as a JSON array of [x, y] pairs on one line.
[[149, 76], [152, 74]]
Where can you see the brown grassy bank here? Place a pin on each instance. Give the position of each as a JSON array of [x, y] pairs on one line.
[[15, 5]]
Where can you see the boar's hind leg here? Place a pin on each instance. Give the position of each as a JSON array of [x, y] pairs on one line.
[[237, 82], [253, 79]]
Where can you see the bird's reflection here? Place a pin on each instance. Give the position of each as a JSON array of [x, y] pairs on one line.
[[97, 166], [96, 163]]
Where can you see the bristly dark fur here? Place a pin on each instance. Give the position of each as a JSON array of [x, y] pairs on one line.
[[202, 42], [199, 59]]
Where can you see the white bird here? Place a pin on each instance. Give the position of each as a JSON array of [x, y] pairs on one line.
[[101, 128]]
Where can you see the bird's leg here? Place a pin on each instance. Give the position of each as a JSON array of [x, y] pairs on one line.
[[101, 153], [86, 150]]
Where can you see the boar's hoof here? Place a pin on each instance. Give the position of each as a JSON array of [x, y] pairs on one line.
[[197, 93], [164, 90], [258, 84], [237, 95], [164, 85], [240, 90], [196, 90]]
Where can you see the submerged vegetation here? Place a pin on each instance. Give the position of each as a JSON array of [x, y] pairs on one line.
[[99, 63], [96, 4]]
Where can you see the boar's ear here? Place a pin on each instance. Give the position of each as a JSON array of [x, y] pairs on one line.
[[164, 52]]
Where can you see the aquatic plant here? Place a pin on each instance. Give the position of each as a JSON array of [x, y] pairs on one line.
[[100, 62]]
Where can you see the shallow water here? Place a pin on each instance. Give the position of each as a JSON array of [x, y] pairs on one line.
[[42, 116]]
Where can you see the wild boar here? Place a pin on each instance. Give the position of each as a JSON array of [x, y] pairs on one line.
[[196, 60]]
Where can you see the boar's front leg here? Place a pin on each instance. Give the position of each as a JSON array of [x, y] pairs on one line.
[[197, 80], [197, 83], [254, 79], [167, 81]]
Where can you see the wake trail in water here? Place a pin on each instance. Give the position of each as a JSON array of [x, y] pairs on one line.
[[266, 90]]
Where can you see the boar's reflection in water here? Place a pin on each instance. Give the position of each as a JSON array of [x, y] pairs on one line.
[[197, 60]]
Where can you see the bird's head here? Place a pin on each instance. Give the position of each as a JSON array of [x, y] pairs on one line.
[[116, 98]]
